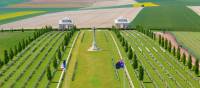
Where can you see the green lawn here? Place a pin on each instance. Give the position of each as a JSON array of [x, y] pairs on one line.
[[189, 40], [94, 69], [29, 69], [161, 67], [11, 39], [97, 69]]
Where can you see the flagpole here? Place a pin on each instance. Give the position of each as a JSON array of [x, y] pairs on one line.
[[124, 79]]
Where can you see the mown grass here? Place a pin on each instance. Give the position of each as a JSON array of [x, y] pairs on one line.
[[11, 39], [163, 69], [170, 15], [94, 69], [189, 40], [29, 69]]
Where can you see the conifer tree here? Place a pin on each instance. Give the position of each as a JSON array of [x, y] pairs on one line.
[[141, 73], [130, 54], [59, 54], [184, 59], [11, 54], [196, 68], [6, 57], [49, 75], [169, 46], [15, 51], [160, 41], [55, 64], [19, 47], [174, 51], [189, 63], [178, 53], [135, 62], [166, 43]]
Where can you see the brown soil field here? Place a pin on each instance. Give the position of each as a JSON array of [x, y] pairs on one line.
[[196, 9], [50, 5], [65, 0], [101, 18], [112, 3], [172, 39]]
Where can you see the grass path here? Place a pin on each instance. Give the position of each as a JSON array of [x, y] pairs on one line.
[[94, 69]]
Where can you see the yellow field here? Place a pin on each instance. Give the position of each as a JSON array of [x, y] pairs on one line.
[[17, 14], [145, 4]]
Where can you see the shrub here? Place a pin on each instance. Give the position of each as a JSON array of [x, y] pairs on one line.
[[184, 59], [6, 58], [135, 62], [141, 73], [178, 53], [189, 63], [49, 75], [11, 54], [130, 54], [159, 39], [196, 67], [55, 63], [174, 51], [169, 46]]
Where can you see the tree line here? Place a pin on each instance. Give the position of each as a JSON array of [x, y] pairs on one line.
[[60, 52], [131, 55], [12, 52], [167, 45]]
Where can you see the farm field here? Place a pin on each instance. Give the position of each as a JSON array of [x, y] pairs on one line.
[[9, 2], [161, 68], [170, 15], [189, 40], [10, 39], [29, 67], [18, 14], [49, 6], [11, 13], [100, 18], [70, 3]]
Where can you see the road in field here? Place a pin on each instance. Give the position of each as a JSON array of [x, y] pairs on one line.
[[100, 18], [94, 69]]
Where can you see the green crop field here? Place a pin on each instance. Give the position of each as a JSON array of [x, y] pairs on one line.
[[170, 15], [9, 2], [11, 39], [189, 40], [15, 10]]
